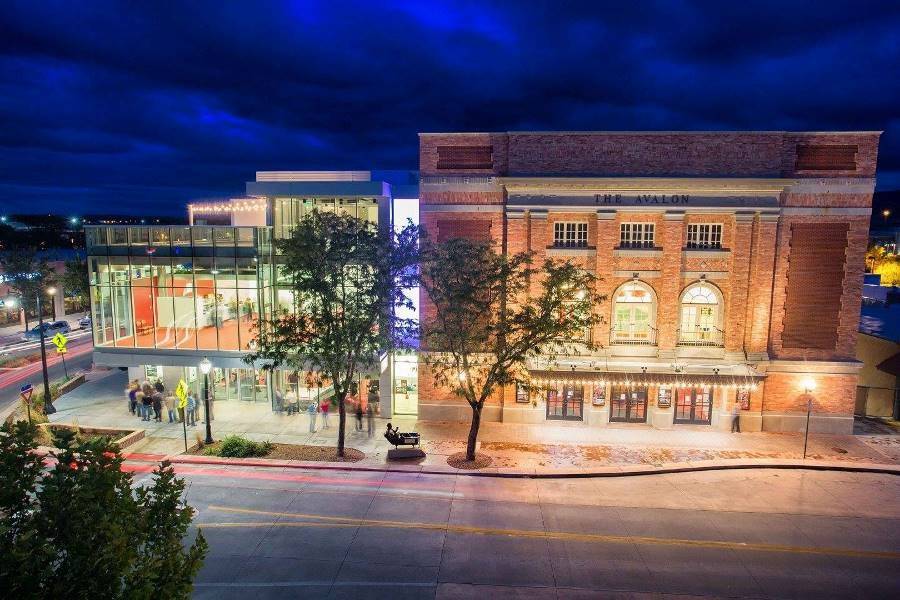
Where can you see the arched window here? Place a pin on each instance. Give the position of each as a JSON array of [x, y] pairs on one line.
[[634, 315], [701, 313]]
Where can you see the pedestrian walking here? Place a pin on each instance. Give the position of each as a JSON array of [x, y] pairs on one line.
[[736, 418], [279, 401], [191, 415], [324, 409], [170, 408], [370, 418], [312, 409]]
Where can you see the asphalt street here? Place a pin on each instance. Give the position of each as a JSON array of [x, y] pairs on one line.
[[78, 358], [288, 533]]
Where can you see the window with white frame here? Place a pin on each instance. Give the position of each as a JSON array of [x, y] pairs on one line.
[[570, 234], [636, 235], [704, 235]]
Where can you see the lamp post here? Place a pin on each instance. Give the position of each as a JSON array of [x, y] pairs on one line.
[[809, 384], [48, 402], [205, 367]]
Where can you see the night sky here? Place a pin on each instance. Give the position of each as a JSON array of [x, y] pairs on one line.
[[139, 107]]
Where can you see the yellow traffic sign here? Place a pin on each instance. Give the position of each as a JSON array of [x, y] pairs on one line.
[[181, 391], [60, 340]]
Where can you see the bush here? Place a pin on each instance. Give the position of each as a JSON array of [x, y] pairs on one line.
[[235, 446]]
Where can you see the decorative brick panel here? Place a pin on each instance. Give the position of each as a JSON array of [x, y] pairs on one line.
[[474, 230], [826, 157], [465, 157], [815, 279]]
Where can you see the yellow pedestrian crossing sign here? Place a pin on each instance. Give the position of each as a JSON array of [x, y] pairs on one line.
[[181, 391], [60, 340]]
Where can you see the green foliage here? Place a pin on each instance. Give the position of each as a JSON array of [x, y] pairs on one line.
[[235, 446], [494, 312], [79, 530], [348, 278], [75, 278], [889, 269], [27, 275]]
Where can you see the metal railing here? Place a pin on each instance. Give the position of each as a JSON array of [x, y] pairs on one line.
[[632, 335], [701, 336]]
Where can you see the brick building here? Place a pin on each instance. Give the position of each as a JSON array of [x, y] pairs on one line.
[[731, 263]]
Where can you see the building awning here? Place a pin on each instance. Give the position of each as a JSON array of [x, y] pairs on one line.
[[748, 379]]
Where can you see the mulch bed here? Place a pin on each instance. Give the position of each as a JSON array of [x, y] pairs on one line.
[[300, 452], [459, 461]]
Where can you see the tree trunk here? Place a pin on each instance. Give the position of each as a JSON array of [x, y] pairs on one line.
[[342, 418], [473, 433]]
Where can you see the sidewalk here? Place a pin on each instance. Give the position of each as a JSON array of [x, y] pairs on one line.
[[102, 402]]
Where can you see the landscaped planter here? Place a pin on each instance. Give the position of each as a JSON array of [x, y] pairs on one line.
[[121, 437]]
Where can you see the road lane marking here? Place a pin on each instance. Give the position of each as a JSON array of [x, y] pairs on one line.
[[324, 520]]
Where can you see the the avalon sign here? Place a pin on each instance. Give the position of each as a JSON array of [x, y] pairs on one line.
[[641, 199]]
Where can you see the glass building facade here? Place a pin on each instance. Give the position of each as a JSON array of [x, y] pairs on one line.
[[162, 288], [163, 297]]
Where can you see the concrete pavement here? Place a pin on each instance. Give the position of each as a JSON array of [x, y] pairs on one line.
[[759, 534], [537, 448]]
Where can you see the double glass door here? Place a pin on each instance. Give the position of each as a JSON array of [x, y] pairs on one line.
[[693, 405], [628, 405], [565, 403]]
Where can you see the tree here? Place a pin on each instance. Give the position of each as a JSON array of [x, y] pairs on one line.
[[75, 279], [27, 275], [78, 530], [348, 279], [889, 269], [492, 313]]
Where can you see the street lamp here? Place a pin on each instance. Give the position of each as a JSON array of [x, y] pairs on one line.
[[809, 384], [205, 367], [48, 402]]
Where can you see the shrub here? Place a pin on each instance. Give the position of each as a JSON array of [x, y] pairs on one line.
[[235, 446]]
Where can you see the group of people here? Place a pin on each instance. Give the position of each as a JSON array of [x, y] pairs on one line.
[[290, 404], [147, 400]]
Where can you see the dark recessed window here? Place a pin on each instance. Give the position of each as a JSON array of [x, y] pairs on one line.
[[833, 157], [465, 157]]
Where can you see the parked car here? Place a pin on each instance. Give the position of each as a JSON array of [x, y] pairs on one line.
[[84, 322], [50, 329]]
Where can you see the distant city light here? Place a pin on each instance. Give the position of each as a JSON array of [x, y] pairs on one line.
[[74, 220]]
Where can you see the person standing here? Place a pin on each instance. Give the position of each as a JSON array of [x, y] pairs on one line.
[[370, 418], [170, 408], [312, 409], [736, 418], [147, 405], [293, 405], [191, 415], [159, 387], [359, 414], [132, 390], [157, 399], [324, 409], [279, 401]]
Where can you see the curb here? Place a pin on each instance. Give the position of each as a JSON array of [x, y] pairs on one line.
[[619, 471]]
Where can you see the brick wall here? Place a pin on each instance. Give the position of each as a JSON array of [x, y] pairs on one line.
[[833, 394], [650, 154]]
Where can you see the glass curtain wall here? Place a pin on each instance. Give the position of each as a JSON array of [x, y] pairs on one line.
[[180, 302], [287, 212]]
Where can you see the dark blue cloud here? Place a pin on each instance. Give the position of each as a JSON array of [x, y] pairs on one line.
[[140, 107]]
